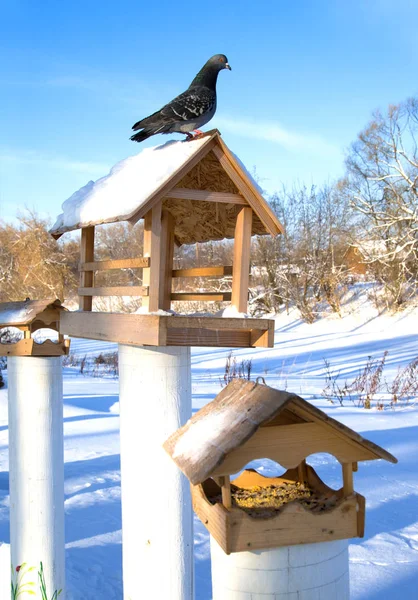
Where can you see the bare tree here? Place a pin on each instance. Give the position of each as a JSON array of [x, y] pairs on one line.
[[382, 185]]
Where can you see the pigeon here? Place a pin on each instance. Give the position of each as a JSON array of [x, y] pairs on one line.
[[189, 111]]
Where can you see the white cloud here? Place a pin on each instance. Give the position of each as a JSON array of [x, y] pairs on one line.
[[29, 157], [275, 133]]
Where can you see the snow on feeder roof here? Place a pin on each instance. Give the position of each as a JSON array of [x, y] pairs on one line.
[[248, 420], [202, 183]]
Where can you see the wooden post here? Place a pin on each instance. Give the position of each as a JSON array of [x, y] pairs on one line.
[[86, 255], [348, 478], [302, 472], [166, 261], [225, 483], [242, 250], [159, 246]]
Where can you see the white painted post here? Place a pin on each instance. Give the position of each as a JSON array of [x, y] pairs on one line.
[[157, 518], [36, 470], [303, 572]]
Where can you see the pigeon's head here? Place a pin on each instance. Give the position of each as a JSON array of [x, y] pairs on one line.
[[218, 61]]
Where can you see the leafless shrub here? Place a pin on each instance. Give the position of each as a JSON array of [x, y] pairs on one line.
[[405, 385], [369, 381], [235, 370], [332, 390]]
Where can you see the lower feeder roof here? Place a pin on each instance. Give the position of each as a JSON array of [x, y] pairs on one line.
[[234, 416], [203, 189], [17, 314]]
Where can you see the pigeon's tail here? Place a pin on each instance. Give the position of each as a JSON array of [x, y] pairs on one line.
[[141, 135]]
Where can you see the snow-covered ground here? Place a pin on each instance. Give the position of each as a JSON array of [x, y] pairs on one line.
[[384, 565]]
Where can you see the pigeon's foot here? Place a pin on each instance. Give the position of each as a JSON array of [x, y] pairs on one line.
[[197, 132]]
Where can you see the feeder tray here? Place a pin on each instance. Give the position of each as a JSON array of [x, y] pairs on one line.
[[280, 511], [28, 317]]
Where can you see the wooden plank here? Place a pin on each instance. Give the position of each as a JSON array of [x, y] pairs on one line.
[[123, 263], [214, 517], [241, 262], [128, 290], [361, 514], [202, 296], [86, 277], [113, 327], [203, 272], [247, 189], [293, 525], [206, 196], [166, 260], [174, 179], [263, 339], [217, 323], [208, 338], [348, 485], [289, 445]]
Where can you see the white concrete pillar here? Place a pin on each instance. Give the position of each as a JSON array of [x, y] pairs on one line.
[[157, 519], [36, 471], [302, 572]]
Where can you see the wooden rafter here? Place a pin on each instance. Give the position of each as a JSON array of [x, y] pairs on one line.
[[206, 196]]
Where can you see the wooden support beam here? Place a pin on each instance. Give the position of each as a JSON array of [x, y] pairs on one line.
[[302, 472], [107, 265], [355, 467], [225, 483], [166, 259], [86, 277], [348, 478], [202, 296], [203, 272], [127, 290], [152, 248], [241, 263], [207, 196]]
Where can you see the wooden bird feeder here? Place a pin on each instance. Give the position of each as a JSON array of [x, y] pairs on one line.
[[186, 192], [28, 317], [249, 421]]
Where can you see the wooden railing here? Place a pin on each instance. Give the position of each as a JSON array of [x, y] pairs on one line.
[[87, 291]]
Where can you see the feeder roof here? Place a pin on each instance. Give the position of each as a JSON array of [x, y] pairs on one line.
[[201, 182], [17, 314], [233, 417]]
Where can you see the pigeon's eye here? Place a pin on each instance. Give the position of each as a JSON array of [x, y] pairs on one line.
[[221, 59]]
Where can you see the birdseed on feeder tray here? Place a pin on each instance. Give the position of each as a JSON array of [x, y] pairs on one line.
[[263, 502]]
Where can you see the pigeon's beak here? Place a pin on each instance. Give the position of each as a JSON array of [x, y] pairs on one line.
[[227, 66]]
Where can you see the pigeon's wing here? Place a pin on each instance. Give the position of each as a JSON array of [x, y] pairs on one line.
[[189, 106]]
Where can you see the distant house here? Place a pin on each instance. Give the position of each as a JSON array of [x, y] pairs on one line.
[[360, 257]]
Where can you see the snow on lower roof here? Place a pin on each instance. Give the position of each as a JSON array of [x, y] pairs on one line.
[[128, 185]]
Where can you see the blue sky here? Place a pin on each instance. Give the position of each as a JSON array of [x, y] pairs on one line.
[[306, 76]]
